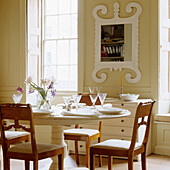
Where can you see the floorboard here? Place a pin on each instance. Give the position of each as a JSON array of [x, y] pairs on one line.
[[154, 162]]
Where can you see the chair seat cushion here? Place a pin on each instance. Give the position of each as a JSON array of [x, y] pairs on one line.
[[115, 144], [26, 148], [89, 132], [14, 134]]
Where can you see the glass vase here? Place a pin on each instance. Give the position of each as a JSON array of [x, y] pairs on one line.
[[17, 97], [43, 103]]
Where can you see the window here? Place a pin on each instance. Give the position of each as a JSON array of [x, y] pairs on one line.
[[164, 60], [53, 43], [59, 42], [164, 56]]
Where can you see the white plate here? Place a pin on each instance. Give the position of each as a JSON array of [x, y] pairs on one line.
[[42, 111], [81, 112], [110, 110], [129, 97]]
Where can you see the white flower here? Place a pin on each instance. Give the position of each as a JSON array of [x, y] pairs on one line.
[[45, 82], [53, 79], [29, 79]]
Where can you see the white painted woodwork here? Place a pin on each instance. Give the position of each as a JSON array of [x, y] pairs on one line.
[[162, 128], [164, 57], [33, 58], [133, 64]]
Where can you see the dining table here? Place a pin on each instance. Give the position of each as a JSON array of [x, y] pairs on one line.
[[58, 118]]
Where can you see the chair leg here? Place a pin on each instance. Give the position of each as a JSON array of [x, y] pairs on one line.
[[87, 152], [60, 161], [76, 152], [6, 164], [35, 165], [110, 162], [92, 161], [100, 156], [143, 159], [27, 165], [130, 162]]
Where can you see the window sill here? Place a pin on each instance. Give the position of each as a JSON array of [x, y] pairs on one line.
[[160, 118]]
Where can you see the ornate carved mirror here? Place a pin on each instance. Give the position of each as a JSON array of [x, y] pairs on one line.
[[116, 42]]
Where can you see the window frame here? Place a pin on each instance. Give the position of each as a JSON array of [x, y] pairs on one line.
[[43, 40], [80, 60]]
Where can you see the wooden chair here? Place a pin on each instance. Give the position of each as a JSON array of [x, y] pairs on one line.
[[124, 148], [13, 137], [86, 135], [29, 151]]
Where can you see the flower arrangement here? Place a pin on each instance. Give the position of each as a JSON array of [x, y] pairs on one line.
[[18, 96], [45, 91]]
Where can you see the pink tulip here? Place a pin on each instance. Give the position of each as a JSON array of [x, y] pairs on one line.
[[20, 90]]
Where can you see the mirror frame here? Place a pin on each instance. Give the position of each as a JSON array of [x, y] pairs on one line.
[[133, 64]]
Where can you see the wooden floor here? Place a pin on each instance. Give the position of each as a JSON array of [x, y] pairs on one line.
[[154, 162]]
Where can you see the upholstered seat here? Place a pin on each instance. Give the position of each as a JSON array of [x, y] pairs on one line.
[[116, 144], [14, 134], [85, 132], [26, 148]]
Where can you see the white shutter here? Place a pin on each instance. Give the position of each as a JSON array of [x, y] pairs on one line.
[[164, 50], [34, 42]]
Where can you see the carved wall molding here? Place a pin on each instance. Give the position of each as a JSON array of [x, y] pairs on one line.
[[133, 65]]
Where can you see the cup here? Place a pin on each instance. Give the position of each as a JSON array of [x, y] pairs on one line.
[[76, 99], [67, 101], [102, 97], [91, 89], [17, 97], [93, 98]]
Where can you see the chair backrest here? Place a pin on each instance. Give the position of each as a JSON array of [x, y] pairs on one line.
[[143, 117], [17, 113], [86, 99]]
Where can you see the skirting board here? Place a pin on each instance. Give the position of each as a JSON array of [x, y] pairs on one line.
[[162, 150]]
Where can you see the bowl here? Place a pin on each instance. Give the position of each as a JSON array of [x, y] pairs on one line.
[[129, 97]]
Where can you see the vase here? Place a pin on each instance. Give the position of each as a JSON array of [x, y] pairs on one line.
[[17, 97], [43, 103]]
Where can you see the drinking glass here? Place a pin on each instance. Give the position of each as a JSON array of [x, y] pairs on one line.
[[76, 99], [93, 98], [102, 97], [91, 89], [17, 97], [99, 89], [66, 101]]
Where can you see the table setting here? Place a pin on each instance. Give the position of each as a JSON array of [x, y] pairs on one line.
[[70, 112], [71, 107]]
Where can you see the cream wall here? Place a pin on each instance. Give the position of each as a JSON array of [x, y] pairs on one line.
[[12, 47]]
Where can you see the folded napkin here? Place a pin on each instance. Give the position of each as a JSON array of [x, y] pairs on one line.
[[73, 105], [85, 112]]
